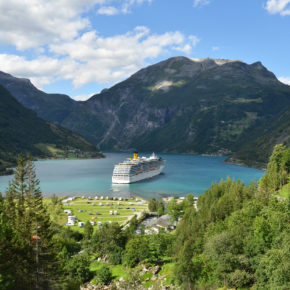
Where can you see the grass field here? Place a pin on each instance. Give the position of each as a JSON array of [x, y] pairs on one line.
[[98, 210]]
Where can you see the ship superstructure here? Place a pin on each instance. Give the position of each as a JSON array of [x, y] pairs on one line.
[[137, 168]]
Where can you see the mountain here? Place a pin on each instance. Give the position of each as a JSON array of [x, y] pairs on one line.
[[21, 131], [51, 107], [204, 106]]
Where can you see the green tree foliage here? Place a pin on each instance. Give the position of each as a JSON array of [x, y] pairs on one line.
[[88, 230], [239, 236], [109, 241], [104, 275], [26, 226], [176, 209], [153, 205], [78, 268], [160, 245], [137, 250], [161, 208], [278, 170]]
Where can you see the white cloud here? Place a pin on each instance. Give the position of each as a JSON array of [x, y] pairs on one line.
[[107, 60], [93, 58], [34, 23], [215, 48], [285, 80], [126, 6], [197, 3], [108, 10], [77, 52], [278, 6], [41, 71], [82, 97]]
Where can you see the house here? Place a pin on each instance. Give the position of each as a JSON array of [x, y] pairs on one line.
[[81, 224], [162, 223], [67, 211], [92, 223]]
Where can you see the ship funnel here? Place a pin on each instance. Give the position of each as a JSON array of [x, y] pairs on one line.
[[135, 155]]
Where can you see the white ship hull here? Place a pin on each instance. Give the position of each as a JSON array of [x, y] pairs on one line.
[[137, 177]]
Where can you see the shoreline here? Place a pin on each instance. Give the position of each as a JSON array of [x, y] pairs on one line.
[[46, 159], [259, 166]]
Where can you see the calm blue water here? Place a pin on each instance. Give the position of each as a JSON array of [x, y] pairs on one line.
[[183, 174]]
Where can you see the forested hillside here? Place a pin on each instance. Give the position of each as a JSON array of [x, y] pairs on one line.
[[237, 237], [21, 131]]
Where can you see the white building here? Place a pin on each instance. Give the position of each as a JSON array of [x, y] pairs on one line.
[[71, 219]]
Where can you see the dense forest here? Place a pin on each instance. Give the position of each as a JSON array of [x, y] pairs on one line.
[[21, 130], [237, 236]]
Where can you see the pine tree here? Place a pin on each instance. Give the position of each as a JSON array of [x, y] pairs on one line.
[[31, 239]]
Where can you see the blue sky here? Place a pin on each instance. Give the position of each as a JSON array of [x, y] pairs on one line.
[[79, 47]]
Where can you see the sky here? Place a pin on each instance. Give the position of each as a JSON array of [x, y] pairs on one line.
[[79, 47]]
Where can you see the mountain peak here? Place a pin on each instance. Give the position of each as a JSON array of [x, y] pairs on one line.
[[218, 61]]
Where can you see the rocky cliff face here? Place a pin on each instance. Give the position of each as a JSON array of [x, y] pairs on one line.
[[177, 105]]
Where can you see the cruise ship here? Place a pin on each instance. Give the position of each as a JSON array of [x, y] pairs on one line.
[[137, 168]]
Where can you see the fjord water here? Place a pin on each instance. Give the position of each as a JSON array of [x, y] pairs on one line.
[[182, 174]]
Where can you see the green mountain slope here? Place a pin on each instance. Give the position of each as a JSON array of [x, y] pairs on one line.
[[256, 152], [207, 106], [51, 107], [21, 131]]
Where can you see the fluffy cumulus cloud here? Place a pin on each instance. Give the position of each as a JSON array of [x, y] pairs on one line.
[[93, 58], [68, 48], [107, 60], [41, 71], [285, 80], [281, 7], [31, 23]]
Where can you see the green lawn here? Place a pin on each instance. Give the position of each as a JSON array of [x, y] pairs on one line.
[[91, 210], [118, 271]]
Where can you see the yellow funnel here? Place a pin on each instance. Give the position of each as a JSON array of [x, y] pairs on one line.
[[135, 155]]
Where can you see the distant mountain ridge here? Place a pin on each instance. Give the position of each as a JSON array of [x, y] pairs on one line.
[[21, 131], [204, 106], [51, 107]]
